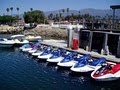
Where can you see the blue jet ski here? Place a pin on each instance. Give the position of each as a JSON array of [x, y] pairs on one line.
[[87, 65], [57, 56], [68, 60]]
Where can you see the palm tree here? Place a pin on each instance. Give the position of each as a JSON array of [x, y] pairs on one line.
[[31, 9], [7, 11], [79, 16], [63, 10], [72, 14], [72, 17], [17, 10], [60, 14], [50, 16], [68, 13], [56, 17], [11, 10], [79, 12]]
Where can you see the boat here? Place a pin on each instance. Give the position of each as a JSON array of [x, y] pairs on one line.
[[6, 42], [68, 60], [107, 72], [58, 56], [47, 53], [19, 40], [86, 64], [32, 36]]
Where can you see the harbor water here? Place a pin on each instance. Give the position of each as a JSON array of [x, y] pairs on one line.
[[20, 71]]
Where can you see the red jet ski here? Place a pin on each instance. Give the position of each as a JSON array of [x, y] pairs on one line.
[[106, 72]]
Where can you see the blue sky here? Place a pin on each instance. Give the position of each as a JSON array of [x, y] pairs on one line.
[[49, 5]]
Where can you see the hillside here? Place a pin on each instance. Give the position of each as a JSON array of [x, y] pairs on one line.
[[91, 11]]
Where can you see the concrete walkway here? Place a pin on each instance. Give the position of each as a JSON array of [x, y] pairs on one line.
[[62, 44]]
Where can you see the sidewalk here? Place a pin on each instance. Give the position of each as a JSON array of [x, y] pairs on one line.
[[62, 44]]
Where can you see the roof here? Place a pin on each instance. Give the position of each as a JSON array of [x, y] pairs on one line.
[[115, 6]]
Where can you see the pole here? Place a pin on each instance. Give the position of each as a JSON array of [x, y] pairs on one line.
[[90, 41], [105, 44], [113, 21], [69, 36], [118, 48]]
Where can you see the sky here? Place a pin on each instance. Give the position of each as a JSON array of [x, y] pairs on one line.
[[50, 5]]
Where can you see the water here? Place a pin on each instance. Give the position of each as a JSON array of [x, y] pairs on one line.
[[20, 71]]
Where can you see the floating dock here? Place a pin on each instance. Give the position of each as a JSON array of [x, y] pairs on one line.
[[63, 44]]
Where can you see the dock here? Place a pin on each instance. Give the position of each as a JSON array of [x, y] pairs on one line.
[[63, 44]]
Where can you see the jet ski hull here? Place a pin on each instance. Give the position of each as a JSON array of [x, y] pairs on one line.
[[55, 60]]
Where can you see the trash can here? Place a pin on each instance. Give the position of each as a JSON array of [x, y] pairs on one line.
[[75, 44]]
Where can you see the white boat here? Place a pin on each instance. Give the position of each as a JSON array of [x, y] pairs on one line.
[[32, 36], [6, 43], [19, 40], [87, 64], [68, 60], [106, 72]]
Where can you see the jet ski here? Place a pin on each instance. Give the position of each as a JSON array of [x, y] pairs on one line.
[[32, 46], [33, 49], [37, 45], [24, 46], [47, 53], [68, 60], [39, 51], [107, 72], [58, 56], [86, 64]]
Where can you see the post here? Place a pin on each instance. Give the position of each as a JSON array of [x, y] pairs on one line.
[[102, 24], [105, 44], [83, 23], [118, 49], [92, 23], [113, 21], [69, 36], [90, 41]]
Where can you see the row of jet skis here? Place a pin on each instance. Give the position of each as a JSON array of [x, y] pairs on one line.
[[100, 68]]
